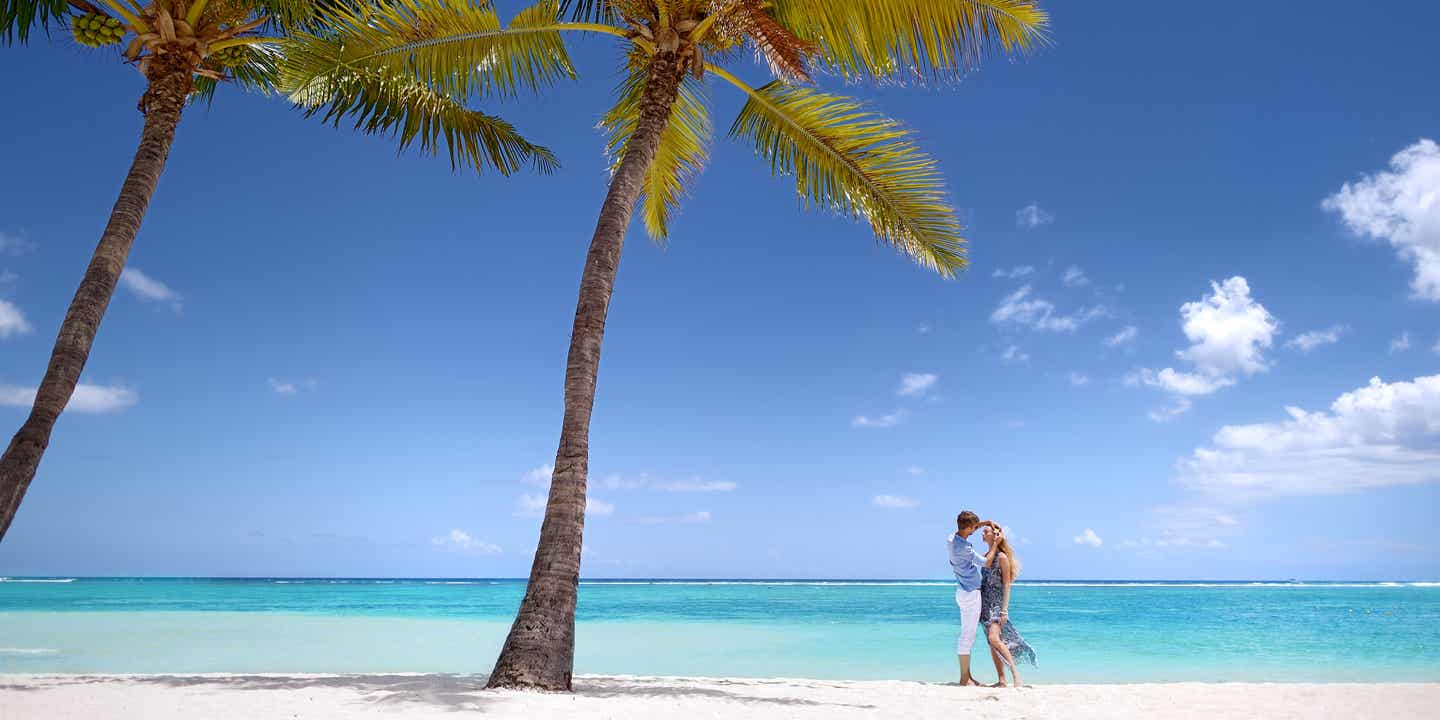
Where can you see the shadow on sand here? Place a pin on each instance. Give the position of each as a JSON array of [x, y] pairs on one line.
[[461, 692]]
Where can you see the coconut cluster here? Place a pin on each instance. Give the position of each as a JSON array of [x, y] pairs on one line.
[[96, 30], [231, 56]]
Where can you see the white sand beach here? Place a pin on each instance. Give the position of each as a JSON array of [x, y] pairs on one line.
[[415, 697]]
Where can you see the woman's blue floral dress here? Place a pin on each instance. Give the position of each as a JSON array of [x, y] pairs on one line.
[[992, 601]]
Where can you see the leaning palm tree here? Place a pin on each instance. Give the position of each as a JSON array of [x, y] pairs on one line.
[[185, 50], [843, 156]]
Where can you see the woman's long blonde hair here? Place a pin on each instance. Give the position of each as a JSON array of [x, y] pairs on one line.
[[1010, 553]]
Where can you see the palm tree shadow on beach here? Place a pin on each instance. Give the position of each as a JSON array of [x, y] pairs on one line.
[[467, 692]]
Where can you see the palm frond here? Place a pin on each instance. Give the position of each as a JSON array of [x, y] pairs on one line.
[[455, 47], [600, 11], [398, 104], [858, 163], [683, 146], [19, 17], [779, 48], [912, 39]]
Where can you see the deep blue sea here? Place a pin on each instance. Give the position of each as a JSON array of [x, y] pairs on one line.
[[838, 629]]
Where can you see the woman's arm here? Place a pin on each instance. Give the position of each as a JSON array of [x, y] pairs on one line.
[[1008, 578]]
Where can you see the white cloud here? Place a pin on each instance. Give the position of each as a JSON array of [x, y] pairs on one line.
[[1078, 379], [915, 470], [12, 321], [1089, 538], [692, 518], [1032, 216], [1074, 277], [696, 485], [598, 507], [1307, 341], [148, 288], [612, 481], [540, 476], [1179, 383], [1015, 272], [1014, 354], [1400, 344], [87, 398], [1178, 407], [884, 421], [282, 388], [1381, 435], [1228, 330], [1040, 314], [917, 383], [528, 505], [894, 501], [460, 541], [1126, 336], [1228, 333], [14, 244], [1402, 206]]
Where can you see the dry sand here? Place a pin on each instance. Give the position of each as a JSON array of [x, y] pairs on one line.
[[417, 697]]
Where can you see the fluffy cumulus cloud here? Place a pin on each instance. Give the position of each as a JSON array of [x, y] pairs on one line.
[[1400, 344], [1401, 206], [1022, 308], [1078, 379], [1032, 216], [460, 541], [1013, 354], [1228, 332], [1380, 435], [1088, 537], [883, 421], [1307, 341], [148, 288], [12, 321], [894, 501], [87, 398], [917, 384]]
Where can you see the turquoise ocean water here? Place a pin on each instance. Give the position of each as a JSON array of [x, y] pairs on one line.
[[842, 629]]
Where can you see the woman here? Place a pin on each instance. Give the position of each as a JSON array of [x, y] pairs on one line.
[[1001, 569]]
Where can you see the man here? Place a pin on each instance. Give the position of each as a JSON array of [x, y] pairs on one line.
[[966, 564]]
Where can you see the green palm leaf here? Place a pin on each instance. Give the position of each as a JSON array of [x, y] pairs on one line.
[[397, 104], [919, 39], [683, 145], [453, 46], [18, 17], [858, 163]]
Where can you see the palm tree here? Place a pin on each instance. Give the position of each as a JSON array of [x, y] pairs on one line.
[[844, 157], [185, 50]]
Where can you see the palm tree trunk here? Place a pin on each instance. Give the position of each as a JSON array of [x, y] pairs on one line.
[[169, 82], [540, 649]]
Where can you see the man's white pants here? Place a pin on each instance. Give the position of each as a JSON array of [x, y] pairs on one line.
[[969, 602]]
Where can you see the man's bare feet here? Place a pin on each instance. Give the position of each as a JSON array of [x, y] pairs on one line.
[[1000, 684], [969, 682]]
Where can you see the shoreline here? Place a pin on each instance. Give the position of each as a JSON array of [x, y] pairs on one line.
[[227, 696]]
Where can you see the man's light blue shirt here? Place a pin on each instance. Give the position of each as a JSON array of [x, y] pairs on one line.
[[965, 562]]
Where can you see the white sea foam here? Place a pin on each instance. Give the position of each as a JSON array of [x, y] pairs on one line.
[[38, 580], [28, 651]]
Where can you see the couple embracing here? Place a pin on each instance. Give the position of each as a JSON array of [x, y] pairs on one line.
[[983, 594]]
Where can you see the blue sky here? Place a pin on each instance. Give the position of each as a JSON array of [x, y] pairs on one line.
[[331, 360]]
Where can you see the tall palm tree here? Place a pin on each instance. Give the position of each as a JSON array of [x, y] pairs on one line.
[[844, 157], [185, 49]]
